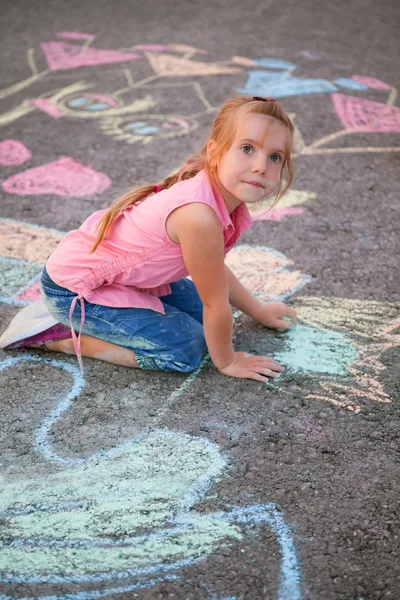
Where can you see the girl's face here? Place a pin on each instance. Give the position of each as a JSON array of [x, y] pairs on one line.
[[250, 170]]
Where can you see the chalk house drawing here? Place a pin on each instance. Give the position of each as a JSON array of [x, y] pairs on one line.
[[60, 532]]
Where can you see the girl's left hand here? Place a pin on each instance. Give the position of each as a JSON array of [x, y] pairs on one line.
[[272, 313]]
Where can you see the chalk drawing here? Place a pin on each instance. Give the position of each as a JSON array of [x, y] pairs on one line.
[[274, 63], [371, 327], [81, 519], [186, 49], [337, 342], [286, 207], [15, 275], [61, 55], [371, 82], [165, 65], [350, 84], [151, 47], [62, 177], [13, 152], [316, 351], [265, 272], [265, 76], [309, 54], [148, 128], [73, 35], [358, 114], [282, 85], [24, 249], [46, 106]]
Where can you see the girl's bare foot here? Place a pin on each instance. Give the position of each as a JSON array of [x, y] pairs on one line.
[[94, 348]]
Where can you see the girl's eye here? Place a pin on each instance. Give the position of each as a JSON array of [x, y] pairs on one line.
[[247, 149], [275, 158]]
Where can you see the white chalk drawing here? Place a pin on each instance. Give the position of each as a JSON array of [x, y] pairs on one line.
[[83, 522]]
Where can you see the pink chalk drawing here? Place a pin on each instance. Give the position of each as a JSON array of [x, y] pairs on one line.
[[63, 177], [30, 294], [13, 152], [371, 82], [47, 106], [107, 99], [277, 214], [358, 114], [72, 35], [61, 55]]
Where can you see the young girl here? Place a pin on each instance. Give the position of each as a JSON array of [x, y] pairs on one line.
[[120, 280]]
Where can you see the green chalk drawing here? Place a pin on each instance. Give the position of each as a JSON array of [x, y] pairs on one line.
[[138, 486], [317, 351]]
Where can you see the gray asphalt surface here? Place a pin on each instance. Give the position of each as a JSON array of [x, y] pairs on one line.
[[237, 489]]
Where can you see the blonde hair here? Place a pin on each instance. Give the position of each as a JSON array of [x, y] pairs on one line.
[[222, 132]]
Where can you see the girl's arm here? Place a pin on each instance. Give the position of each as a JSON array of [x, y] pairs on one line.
[[197, 229], [241, 298], [269, 314]]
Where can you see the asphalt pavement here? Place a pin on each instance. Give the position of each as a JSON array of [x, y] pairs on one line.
[[129, 484]]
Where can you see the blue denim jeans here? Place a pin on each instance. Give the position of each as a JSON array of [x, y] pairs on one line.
[[173, 341]]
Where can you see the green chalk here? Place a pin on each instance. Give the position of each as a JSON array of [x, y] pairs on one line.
[[282, 329]]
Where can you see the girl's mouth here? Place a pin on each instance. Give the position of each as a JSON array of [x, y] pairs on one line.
[[255, 184]]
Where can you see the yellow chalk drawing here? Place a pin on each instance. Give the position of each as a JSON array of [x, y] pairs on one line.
[[166, 65], [291, 199], [361, 317]]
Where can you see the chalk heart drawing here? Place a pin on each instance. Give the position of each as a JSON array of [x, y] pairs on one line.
[[13, 152], [62, 177], [122, 518]]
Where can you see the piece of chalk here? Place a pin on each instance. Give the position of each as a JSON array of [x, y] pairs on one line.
[[282, 329]]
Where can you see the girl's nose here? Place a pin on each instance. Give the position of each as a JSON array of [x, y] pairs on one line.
[[260, 166]]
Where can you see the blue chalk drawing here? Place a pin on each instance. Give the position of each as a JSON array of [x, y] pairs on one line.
[[274, 63], [61, 526], [98, 106], [281, 85], [350, 84], [317, 351]]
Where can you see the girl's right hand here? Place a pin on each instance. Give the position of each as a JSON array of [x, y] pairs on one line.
[[250, 366]]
